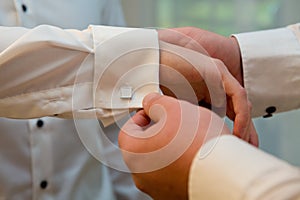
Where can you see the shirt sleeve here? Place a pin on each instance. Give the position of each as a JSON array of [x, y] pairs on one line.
[[235, 170], [101, 71], [271, 69]]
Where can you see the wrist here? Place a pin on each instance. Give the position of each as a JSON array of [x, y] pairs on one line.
[[236, 68]]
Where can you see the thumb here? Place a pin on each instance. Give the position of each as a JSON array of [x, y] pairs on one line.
[[157, 106]]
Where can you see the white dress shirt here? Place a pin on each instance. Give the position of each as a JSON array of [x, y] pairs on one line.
[[234, 169], [43, 158]]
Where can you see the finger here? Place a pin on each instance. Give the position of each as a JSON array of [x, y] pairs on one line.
[[184, 76], [253, 135], [141, 118], [171, 36], [240, 102], [167, 114], [177, 37], [242, 117], [133, 130], [138, 135]]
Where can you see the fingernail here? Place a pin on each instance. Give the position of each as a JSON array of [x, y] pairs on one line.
[[149, 98]]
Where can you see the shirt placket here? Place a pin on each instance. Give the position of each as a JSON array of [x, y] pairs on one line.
[[41, 157]]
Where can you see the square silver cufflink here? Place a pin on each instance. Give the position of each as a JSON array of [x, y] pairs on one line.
[[126, 92]]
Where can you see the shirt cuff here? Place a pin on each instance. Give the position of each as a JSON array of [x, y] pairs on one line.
[[102, 72], [270, 60], [235, 170], [126, 66]]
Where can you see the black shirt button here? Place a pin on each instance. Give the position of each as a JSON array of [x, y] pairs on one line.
[[24, 7], [270, 110], [40, 123], [44, 184]]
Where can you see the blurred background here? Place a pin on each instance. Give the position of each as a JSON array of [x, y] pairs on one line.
[[279, 135]]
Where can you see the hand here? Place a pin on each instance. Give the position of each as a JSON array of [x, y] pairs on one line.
[[188, 75], [160, 153], [181, 73], [216, 46]]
